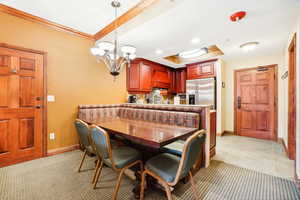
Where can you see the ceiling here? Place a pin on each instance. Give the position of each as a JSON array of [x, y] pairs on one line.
[[170, 26], [88, 16]]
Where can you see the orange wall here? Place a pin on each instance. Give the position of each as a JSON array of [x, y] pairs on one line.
[[74, 76]]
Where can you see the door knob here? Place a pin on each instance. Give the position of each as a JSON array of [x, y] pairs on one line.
[[14, 71], [38, 106]]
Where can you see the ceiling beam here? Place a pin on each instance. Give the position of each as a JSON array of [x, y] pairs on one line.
[[130, 14], [27, 16]]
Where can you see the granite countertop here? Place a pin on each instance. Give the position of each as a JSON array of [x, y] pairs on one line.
[[183, 105]]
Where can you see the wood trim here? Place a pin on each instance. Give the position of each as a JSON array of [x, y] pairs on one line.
[[45, 108], [53, 152], [292, 108], [5, 45], [275, 94], [225, 132], [202, 62], [27, 16], [130, 14], [281, 141]]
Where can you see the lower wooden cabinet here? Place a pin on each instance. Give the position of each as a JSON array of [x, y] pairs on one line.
[[213, 133]]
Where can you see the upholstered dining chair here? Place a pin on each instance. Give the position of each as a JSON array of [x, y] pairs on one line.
[[83, 131], [119, 159], [168, 169]]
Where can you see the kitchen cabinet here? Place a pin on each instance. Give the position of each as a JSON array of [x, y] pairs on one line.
[[172, 89], [201, 70], [139, 77], [180, 79], [161, 77], [213, 133]]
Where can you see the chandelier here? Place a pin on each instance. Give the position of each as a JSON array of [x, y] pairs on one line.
[[114, 57]]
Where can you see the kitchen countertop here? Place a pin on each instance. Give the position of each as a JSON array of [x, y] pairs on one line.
[[170, 105]]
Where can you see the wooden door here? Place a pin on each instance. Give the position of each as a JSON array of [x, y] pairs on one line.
[[21, 105], [292, 101], [255, 102]]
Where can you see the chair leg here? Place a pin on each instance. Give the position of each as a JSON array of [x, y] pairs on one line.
[[98, 174], [168, 191], [96, 170], [143, 185], [84, 154], [115, 194], [193, 185]]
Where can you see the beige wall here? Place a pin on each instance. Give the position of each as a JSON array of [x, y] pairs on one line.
[[232, 65], [74, 76]]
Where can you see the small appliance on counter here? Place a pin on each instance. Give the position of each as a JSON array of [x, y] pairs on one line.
[[132, 99]]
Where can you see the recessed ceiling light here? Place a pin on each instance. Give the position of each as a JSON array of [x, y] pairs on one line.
[[158, 51], [249, 46], [195, 40]]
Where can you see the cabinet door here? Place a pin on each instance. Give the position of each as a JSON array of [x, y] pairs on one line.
[[193, 71], [173, 82], [145, 77], [181, 81], [133, 77], [207, 70]]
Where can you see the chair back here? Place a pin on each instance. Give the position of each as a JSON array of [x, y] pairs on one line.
[[191, 152], [101, 142], [83, 132]]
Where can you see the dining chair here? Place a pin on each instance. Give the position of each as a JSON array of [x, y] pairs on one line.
[[168, 169], [83, 131], [119, 159]]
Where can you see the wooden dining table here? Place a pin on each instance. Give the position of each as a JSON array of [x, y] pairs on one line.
[[146, 136], [150, 134]]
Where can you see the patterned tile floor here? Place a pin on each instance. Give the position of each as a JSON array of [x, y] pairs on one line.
[[55, 178], [260, 155]]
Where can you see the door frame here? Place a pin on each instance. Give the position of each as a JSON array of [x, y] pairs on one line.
[[291, 145], [44, 114], [275, 66]]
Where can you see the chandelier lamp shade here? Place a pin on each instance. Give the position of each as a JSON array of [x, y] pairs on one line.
[[114, 57]]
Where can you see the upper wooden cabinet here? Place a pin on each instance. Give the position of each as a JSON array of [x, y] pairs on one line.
[[161, 76], [139, 77], [201, 70], [180, 79]]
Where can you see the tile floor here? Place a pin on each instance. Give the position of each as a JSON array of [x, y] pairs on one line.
[[260, 155]]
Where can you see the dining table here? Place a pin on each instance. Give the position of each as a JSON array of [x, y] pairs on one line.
[[149, 134], [148, 137]]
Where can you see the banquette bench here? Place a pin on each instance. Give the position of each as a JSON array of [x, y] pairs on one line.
[[186, 116]]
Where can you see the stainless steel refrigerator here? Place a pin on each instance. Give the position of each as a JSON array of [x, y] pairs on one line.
[[201, 91]]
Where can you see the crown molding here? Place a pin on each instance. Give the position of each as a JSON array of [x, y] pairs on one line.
[[27, 16], [130, 14]]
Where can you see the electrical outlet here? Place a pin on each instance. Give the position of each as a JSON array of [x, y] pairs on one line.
[[52, 136]]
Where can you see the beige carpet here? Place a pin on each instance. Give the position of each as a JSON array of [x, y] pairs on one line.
[[56, 178]]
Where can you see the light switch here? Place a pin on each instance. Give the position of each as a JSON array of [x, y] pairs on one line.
[[52, 136], [51, 98]]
